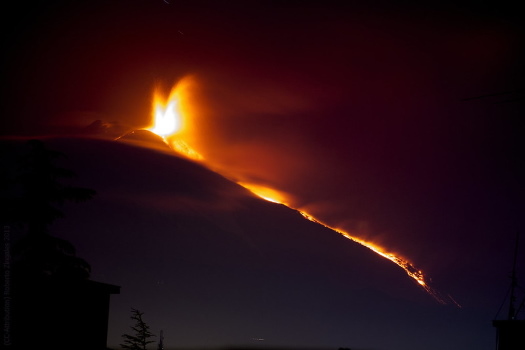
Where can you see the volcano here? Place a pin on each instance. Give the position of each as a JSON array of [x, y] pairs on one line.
[[213, 265]]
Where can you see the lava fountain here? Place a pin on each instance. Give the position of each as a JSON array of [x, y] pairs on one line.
[[168, 122]]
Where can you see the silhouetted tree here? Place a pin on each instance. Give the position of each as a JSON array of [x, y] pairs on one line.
[[34, 191], [38, 179], [140, 338]]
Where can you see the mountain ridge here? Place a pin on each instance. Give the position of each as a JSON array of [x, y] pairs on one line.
[[165, 228]]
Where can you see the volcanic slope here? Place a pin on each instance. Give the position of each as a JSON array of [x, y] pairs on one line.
[[209, 261]]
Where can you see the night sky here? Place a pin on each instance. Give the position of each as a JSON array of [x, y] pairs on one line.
[[401, 124]]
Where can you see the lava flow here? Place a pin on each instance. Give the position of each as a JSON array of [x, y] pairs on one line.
[[275, 197], [168, 123]]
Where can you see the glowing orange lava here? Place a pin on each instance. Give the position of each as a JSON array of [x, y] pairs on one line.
[[409, 268], [169, 123], [266, 193], [168, 118]]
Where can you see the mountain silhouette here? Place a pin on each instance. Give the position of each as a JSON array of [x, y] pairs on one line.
[[214, 265]]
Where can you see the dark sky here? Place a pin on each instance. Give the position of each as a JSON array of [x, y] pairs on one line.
[[356, 111]]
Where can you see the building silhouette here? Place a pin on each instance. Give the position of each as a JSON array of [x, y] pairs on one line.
[[61, 314]]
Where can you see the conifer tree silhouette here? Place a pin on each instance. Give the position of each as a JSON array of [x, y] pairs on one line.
[[140, 338], [39, 178], [37, 192]]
